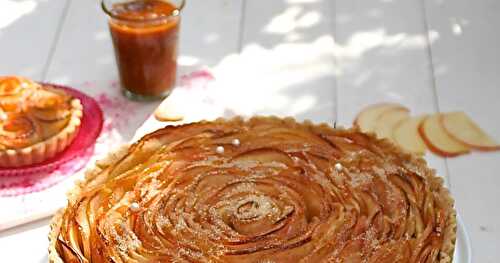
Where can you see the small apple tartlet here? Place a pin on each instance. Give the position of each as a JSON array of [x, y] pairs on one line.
[[37, 121]]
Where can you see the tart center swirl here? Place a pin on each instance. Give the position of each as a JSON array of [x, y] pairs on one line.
[[287, 192]]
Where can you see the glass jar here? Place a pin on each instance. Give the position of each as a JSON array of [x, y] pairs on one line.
[[145, 36]]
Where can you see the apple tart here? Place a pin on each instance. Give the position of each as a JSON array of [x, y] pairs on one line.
[[259, 190], [36, 121]]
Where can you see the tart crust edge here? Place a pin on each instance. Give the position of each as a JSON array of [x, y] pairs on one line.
[[449, 233], [55, 224]]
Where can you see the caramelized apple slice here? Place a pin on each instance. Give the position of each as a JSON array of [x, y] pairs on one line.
[[10, 86], [18, 131], [387, 121], [48, 105], [13, 91], [462, 128], [405, 134], [437, 139], [367, 118]]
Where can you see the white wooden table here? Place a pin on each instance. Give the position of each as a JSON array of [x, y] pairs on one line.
[[314, 59]]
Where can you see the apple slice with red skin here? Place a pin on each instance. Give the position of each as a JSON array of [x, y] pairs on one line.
[[406, 135], [462, 128], [438, 140], [367, 118], [387, 121]]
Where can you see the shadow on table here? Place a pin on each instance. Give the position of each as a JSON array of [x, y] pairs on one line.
[[296, 57]]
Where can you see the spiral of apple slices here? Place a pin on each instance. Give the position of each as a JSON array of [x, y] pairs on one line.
[[261, 190], [18, 131]]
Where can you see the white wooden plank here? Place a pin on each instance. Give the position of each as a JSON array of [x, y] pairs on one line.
[[382, 54], [33, 237], [382, 51], [286, 65], [210, 31], [27, 32], [84, 50], [466, 61]]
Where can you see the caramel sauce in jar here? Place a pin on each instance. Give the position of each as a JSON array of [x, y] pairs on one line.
[[145, 37]]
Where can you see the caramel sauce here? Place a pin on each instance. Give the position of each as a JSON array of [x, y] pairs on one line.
[[145, 35]]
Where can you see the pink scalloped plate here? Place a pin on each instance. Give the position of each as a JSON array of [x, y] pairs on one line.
[[84, 141]]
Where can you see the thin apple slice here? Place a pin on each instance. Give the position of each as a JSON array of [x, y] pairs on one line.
[[405, 134], [387, 121], [462, 128], [166, 112], [438, 140], [367, 118]]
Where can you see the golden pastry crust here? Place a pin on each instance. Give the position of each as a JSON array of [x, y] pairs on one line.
[[37, 125], [426, 232]]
